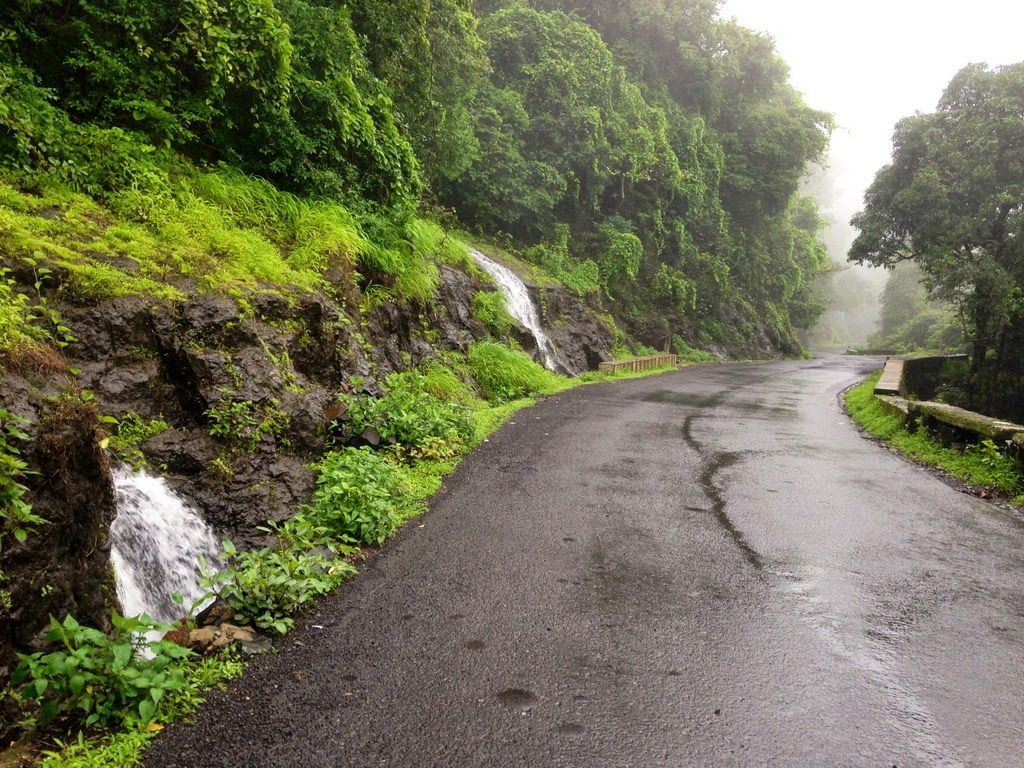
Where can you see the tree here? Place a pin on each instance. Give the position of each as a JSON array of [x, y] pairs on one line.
[[952, 200]]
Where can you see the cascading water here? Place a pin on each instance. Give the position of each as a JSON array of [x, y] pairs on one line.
[[520, 306], [158, 543]]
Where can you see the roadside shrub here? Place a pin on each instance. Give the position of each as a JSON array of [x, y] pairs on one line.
[[411, 418], [95, 680], [445, 383], [402, 254], [505, 374], [360, 496], [688, 354], [266, 586]]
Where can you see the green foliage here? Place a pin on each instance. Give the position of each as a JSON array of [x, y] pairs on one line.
[[444, 383], [410, 418], [950, 201], [489, 309], [983, 464], [582, 275], [505, 374], [26, 319], [242, 424], [281, 88], [133, 430], [266, 586], [95, 680], [16, 516], [122, 748], [909, 321], [688, 354], [360, 496]]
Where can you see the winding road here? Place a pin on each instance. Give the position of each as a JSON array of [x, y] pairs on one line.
[[705, 568]]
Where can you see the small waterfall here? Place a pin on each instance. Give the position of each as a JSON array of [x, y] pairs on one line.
[[520, 306], [157, 545]]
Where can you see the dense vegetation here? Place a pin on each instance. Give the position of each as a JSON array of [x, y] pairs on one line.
[[650, 152], [952, 201]]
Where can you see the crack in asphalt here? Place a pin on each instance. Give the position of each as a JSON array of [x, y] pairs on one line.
[[711, 464]]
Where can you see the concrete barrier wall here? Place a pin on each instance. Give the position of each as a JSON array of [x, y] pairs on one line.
[[900, 390]]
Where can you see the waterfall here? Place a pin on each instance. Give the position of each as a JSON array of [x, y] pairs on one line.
[[520, 306], [157, 544]]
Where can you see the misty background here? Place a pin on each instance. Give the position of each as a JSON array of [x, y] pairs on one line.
[[871, 63]]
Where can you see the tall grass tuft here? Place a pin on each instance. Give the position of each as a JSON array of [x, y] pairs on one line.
[[505, 374]]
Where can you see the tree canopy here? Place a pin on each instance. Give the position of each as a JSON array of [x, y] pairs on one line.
[[952, 201]]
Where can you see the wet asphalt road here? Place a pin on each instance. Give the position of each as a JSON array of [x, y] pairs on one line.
[[704, 568]]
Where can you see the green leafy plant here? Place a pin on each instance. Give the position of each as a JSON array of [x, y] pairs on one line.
[[131, 431], [410, 417], [242, 424], [505, 374], [16, 514], [359, 496], [490, 309], [266, 586], [94, 680], [122, 748], [42, 314]]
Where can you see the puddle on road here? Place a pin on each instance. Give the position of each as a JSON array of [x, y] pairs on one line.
[[516, 697]]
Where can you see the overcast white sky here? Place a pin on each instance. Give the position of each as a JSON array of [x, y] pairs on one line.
[[871, 62]]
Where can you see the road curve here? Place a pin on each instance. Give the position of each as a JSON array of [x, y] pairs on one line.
[[706, 568]]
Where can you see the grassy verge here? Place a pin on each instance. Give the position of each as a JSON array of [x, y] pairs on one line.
[[981, 465]]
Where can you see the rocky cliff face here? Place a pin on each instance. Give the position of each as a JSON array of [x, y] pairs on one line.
[[229, 396], [63, 566], [583, 338]]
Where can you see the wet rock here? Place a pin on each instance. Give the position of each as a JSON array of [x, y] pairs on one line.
[[181, 452], [306, 418], [117, 330], [370, 437], [63, 567], [217, 612], [212, 319], [212, 639], [259, 644], [582, 338]]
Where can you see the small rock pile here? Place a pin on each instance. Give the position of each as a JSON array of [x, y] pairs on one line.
[[214, 631]]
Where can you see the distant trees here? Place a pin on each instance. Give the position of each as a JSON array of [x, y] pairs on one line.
[[671, 145], [952, 200]]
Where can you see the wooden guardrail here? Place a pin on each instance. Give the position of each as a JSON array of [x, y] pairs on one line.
[[633, 364]]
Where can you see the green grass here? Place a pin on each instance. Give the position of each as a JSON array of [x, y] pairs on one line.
[[190, 231], [982, 465], [505, 374]]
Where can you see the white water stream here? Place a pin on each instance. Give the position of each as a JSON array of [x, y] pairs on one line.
[[158, 543], [520, 306]]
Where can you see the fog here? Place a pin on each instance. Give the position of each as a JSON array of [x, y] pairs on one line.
[[871, 63]]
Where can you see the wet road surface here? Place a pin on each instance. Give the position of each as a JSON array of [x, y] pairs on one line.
[[706, 568]]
